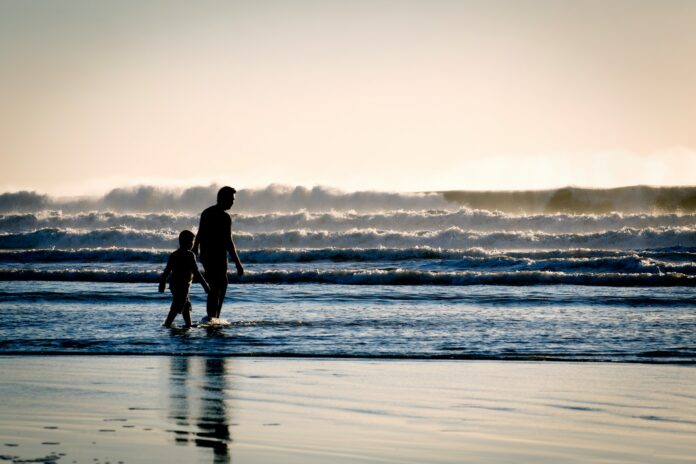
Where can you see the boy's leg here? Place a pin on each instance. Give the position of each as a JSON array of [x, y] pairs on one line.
[[178, 301], [170, 317], [186, 312]]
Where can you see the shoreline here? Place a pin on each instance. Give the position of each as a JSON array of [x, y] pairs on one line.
[[351, 357], [244, 409]]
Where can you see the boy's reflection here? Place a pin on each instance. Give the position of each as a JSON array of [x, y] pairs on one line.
[[211, 428]]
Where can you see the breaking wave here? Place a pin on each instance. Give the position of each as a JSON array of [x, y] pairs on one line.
[[67, 238], [195, 199], [336, 221], [275, 198], [679, 260], [377, 277], [450, 238]]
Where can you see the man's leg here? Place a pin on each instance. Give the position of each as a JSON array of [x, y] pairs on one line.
[[212, 302], [217, 279], [222, 292]]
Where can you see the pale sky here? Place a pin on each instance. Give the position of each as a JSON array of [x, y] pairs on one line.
[[356, 94]]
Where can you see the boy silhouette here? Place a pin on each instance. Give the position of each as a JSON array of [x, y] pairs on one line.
[[182, 266], [215, 242]]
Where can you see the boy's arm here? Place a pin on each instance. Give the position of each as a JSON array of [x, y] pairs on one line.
[[165, 274], [197, 274], [204, 284]]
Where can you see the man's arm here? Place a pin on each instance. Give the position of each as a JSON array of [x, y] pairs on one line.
[[196, 244], [235, 257], [197, 240], [231, 249]]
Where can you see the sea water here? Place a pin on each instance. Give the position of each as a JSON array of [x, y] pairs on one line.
[[399, 276]]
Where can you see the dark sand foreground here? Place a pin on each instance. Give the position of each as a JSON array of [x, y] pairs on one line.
[[176, 409]]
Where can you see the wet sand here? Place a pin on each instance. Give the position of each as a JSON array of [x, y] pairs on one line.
[[177, 409]]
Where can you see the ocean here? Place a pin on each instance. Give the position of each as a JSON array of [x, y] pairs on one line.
[[560, 276]]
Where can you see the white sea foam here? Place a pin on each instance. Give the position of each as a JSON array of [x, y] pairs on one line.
[[194, 199], [377, 277], [279, 198], [571, 260], [407, 221], [450, 238]]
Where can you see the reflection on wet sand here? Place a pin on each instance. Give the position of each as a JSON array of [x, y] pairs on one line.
[[197, 404]]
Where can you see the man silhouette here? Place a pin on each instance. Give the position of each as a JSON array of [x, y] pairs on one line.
[[214, 239]]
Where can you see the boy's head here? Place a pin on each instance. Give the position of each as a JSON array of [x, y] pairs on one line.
[[186, 239]]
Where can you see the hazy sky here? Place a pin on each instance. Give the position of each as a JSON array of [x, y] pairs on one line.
[[388, 95]]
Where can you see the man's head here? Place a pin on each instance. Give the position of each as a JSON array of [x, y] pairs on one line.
[[225, 197], [186, 239]]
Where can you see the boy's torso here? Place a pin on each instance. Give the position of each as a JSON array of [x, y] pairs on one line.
[[183, 265]]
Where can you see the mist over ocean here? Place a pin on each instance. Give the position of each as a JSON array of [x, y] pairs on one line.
[[568, 274]]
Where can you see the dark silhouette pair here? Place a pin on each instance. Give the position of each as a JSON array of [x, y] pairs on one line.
[[213, 243]]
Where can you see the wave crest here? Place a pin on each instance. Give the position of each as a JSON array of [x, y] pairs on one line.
[[377, 277], [274, 198], [335, 221]]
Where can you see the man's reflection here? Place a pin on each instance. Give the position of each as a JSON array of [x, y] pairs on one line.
[[211, 429]]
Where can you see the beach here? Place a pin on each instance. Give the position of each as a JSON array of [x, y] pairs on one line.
[[348, 232], [431, 333], [229, 409]]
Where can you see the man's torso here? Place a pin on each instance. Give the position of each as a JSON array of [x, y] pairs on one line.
[[215, 236]]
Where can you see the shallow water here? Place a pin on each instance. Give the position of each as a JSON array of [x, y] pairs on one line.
[[471, 322], [450, 282]]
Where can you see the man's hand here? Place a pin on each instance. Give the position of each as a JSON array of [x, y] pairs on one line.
[[162, 285], [240, 270]]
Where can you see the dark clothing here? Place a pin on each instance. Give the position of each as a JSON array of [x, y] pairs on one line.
[[182, 264], [215, 239], [180, 300], [216, 274], [181, 268], [216, 296]]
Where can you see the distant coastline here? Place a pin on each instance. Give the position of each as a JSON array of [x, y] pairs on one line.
[[274, 198], [577, 200]]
